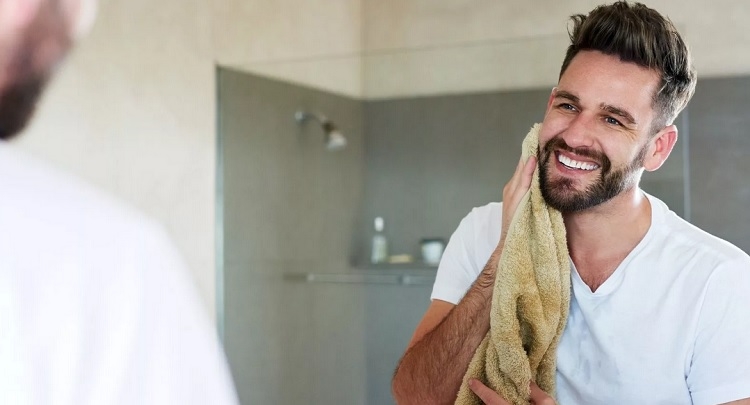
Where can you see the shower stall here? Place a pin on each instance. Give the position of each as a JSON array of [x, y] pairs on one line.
[[301, 320]]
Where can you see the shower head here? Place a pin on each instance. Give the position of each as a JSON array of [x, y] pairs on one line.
[[334, 139]]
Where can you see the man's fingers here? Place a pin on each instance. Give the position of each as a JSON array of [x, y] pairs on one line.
[[520, 165], [524, 172], [489, 397], [521, 181], [528, 173], [516, 174], [515, 189], [539, 397], [486, 394], [530, 166]]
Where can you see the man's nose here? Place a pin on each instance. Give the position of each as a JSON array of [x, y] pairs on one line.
[[581, 132]]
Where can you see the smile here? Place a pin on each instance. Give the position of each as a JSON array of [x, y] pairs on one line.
[[574, 164]]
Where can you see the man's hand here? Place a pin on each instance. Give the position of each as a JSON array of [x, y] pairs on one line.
[[514, 191], [489, 397]]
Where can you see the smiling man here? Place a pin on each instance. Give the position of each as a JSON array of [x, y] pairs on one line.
[[95, 304], [658, 311]]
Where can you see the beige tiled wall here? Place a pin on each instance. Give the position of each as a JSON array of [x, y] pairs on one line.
[[453, 46], [312, 42], [478, 67], [394, 24]]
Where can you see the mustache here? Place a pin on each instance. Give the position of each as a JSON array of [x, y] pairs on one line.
[[557, 143]]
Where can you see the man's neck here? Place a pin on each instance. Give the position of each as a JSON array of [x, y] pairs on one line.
[[601, 237]]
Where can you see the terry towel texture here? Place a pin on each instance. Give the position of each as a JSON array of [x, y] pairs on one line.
[[530, 301]]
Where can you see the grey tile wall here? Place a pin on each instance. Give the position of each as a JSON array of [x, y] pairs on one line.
[[719, 164], [289, 206]]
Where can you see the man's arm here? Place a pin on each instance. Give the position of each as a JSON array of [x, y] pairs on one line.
[[433, 366], [443, 344]]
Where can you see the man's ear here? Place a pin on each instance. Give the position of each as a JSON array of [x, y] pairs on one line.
[[551, 98], [659, 148], [81, 13]]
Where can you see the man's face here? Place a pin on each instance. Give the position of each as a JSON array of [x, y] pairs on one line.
[[36, 40], [595, 134]]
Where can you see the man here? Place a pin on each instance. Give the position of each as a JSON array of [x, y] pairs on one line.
[[658, 310], [94, 304]]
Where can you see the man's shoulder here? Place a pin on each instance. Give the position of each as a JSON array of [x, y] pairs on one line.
[[85, 245], [482, 225], [484, 219], [681, 235], [34, 188], [487, 211], [58, 214]]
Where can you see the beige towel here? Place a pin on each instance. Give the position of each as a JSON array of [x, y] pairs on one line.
[[530, 301]]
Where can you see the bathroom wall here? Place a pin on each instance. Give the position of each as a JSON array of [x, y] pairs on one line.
[[314, 42], [289, 206], [391, 314], [433, 47], [719, 167]]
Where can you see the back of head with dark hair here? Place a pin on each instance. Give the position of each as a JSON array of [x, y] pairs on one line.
[[638, 34]]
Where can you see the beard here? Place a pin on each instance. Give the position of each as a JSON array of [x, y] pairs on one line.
[[562, 194], [17, 105], [42, 45]]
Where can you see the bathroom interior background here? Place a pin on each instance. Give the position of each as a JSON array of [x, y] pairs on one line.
[[419, 87], [302, 303]]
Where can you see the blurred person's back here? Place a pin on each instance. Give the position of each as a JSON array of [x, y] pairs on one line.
[[95, 303]]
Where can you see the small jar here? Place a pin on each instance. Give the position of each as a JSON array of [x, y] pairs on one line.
[[432, 250]]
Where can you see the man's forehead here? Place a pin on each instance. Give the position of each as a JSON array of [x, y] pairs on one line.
[[596, 79]]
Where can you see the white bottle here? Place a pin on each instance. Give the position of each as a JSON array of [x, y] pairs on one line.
[[379, 243]]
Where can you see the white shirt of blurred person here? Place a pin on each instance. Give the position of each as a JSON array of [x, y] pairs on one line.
[[94, 300]]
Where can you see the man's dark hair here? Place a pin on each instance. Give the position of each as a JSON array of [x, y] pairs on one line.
[[638, 34]]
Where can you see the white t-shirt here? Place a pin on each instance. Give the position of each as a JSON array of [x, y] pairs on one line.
[[95, 304], [670, 326]]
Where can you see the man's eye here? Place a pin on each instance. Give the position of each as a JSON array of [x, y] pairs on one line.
[[566, 106], [612, 121]]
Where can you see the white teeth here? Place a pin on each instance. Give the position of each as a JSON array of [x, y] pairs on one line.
[[574, 164]]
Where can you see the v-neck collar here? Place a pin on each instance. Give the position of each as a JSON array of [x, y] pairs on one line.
[[615, 279]]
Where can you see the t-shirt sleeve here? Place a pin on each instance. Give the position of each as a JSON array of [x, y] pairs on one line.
[[466, 253], [720, 367]]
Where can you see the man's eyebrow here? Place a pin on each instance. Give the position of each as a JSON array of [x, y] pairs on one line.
[[568, 96], [605, 107], [618, 112]]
